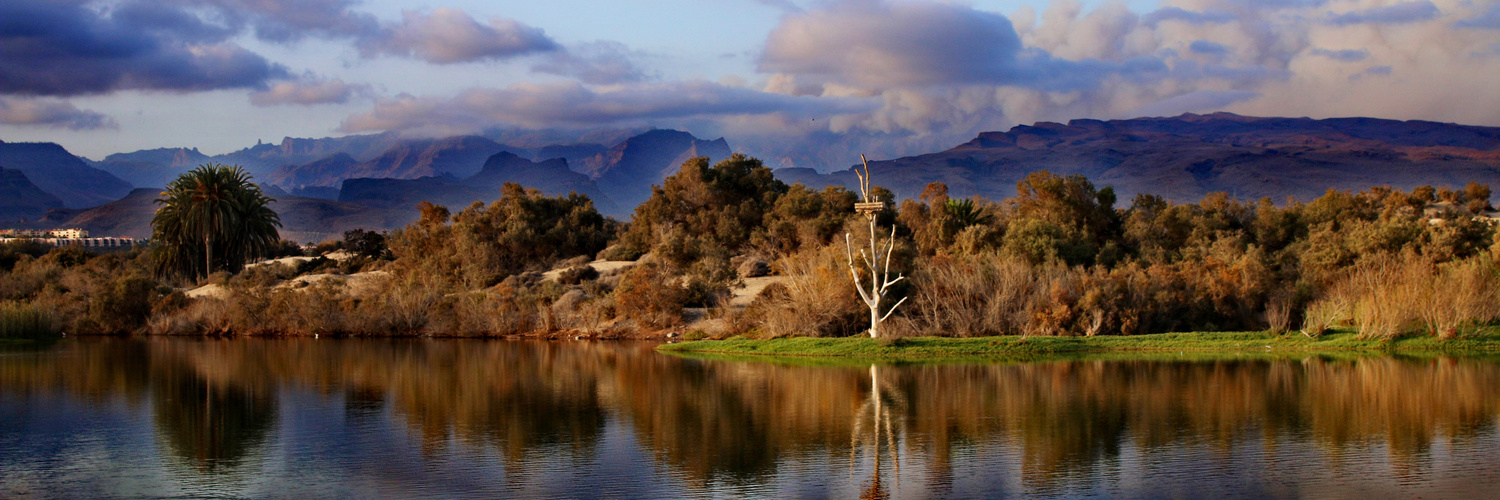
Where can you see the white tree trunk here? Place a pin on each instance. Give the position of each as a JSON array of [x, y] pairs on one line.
[[880, 279]]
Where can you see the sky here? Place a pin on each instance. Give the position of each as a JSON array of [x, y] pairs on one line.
[[804, 83]]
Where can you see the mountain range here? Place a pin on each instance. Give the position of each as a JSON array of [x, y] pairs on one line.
[[326, 186], [1186, 157]]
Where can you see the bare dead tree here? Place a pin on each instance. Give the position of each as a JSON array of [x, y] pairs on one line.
[[880, 281]]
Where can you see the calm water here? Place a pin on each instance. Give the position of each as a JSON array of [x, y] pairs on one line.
[[409, 418]]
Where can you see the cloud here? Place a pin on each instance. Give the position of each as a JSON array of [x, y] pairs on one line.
[[286, 21], [573, 104], [449, 36], [1207, 47], [1375, 71], [66, 49], [1349, 55], [784, 5], [1401, 13], [1186, 16], [1489, 20], [307, 91], [878, 45], [1203, 100], [600, 62], [875, 46], [52, 113]]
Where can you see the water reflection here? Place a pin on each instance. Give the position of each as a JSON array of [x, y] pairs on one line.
[[398, 417]]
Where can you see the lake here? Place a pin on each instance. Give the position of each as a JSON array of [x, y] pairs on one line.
[[301, 418]]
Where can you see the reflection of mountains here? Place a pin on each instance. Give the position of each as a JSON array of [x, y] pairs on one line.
[[723, 421]]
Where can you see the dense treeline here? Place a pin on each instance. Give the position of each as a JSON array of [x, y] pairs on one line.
[[1063, 257]]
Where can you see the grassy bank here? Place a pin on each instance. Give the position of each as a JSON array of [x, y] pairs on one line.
[[1015, 346]]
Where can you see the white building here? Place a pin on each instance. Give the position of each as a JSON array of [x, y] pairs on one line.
[[70, 233]]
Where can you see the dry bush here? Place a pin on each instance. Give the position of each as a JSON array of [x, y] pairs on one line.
[[1332, 310], [817, 298], [317, 309], [581, 311], [1461, 295], [485, 313], [1389, 295], [648, 296], [577, 274], [1279, 315], [205, 316]]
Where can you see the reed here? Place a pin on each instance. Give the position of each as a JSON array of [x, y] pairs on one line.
[[26, 321]]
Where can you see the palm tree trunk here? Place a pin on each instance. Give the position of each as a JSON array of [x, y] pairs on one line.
[[208, 267]]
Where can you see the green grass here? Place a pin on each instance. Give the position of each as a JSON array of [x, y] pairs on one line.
[[1164, 345]]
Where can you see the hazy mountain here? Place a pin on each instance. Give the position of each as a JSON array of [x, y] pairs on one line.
[[1183, 158], [54, 170], [22, 200], [575, 154], [551, 176], [459, 156], [157, 167], [317, 173], [152, 167], [629, 169], [303, 219], [264, 157]]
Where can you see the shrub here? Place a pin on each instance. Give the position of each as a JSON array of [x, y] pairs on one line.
[[648, 296], [816, 299], [578, 274]]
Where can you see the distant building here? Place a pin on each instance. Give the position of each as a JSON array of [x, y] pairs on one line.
[[71, 233], [65, 237]]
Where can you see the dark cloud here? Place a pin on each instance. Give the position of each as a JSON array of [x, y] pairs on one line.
[[1343, 55], [1186, 16], [66, 49], [872, 44], [292, 20], [570, 103], [1375, 71], [1207, 47], [307, 91], [448, 36], [597, 63], [1401, 13], [1489, 20], [51, 113]]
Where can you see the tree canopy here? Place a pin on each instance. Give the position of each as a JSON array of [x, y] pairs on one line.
[[212, 218]]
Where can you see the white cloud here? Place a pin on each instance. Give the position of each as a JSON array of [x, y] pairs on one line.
[[51, 113]]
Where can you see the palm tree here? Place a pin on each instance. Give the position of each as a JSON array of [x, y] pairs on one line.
[[213, 213]]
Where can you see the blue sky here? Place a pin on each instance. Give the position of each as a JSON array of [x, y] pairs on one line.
[[796, 82]]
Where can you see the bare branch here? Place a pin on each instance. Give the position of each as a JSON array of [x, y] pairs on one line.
[[893, 308]]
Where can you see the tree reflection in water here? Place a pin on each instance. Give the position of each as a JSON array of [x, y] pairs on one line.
[[1035, 428]]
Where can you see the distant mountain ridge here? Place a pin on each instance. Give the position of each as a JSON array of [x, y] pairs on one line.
[[377, 179], [152, 167], [1186, 157], [552, 177], [631, 167], [21, 200], [59, 173]]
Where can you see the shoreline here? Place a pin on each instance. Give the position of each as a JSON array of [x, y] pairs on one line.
[[1197, 343]]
